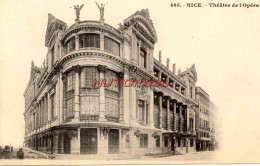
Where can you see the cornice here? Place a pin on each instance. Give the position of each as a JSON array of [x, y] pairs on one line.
[[94, 26], [168, 72]]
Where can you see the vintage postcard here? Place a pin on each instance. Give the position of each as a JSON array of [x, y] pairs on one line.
[[129, 82]]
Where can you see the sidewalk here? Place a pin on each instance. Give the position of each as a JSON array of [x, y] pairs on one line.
[[96, 157]]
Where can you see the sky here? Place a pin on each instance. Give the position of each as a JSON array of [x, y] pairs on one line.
[[223, 43]]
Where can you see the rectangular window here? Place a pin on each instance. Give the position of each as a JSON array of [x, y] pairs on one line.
[[70, 81], [52, 56], [179, 142], [89, 40], [52, 106], [143, 140], [111, 46], [70, 107], [91, 73], [141, 111], [191, 92], [143, 58], [70, 45]]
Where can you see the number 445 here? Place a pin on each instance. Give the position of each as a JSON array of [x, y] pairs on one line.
[[175, 5]]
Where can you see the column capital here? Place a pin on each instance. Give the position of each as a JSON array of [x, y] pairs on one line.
[[160, 93], [64, 77], [120, 75], [102, 68], [174, 100], [76, 68], [184, 106], [168, 97]]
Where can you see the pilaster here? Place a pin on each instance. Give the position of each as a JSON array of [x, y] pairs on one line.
[[102, 98], [76, 98], [160, 94], [168, 112]]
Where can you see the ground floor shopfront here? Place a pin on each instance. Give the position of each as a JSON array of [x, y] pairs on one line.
[[205, 145], [110, 140]]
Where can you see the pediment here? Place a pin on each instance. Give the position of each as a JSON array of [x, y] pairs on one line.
[[142, 22], [52, 26]]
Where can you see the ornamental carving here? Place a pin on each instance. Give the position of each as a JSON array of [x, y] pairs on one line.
[[104, 131], [137, 133], [76, 68], [72, 133], [102, 68], [155, 135], [124, 131], [64, 77], [120, 75], [132, 69]]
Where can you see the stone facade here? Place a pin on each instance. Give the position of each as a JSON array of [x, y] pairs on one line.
[[65, 114]]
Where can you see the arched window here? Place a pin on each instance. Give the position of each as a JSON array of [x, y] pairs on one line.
[[89, 40]]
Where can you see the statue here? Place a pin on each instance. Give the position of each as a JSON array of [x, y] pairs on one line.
[[77, 10], [160, 56], [179, 72], [173, 68], [167, 62], [101, 10]]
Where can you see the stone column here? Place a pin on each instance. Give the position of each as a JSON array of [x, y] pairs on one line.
[[39, 113], [120, 141], [188, 119], [151, 120], [174, 115], [46, 108], [102, 98], [102, 142], [120, 76], [194, 124], [133, 106], [63, 98], [185, 129], [77, 42], [61, 147], [168, 112], [145, 120], [126, 101], [76, 94], [102, 41], [160, 94], [180, 119], [75, 141]]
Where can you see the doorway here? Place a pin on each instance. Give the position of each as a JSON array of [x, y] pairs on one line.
[[113, 141], [66, 144], [88, 141]]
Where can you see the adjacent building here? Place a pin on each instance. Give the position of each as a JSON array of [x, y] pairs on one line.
[[65, 114]]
